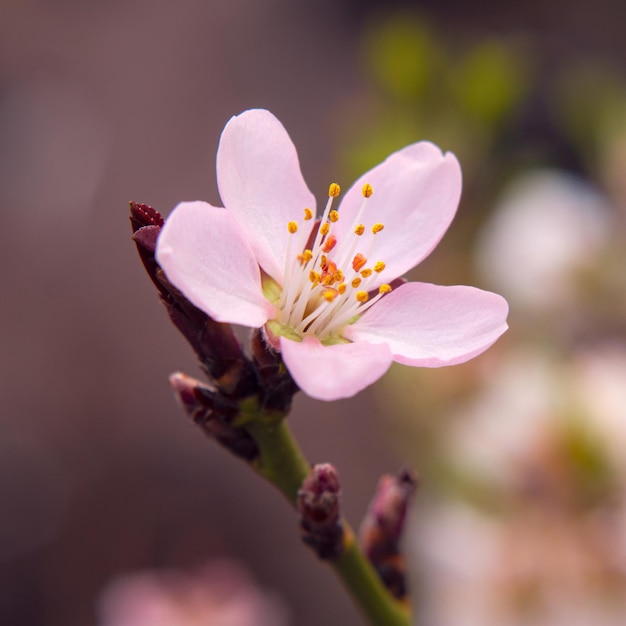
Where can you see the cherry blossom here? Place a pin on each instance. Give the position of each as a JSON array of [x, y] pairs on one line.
[[326, 292]]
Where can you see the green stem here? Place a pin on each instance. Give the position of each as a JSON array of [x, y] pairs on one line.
[[283, 464], [281, 460]]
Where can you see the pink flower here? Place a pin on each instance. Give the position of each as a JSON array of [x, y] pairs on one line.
[[325, 297], [220, 594]]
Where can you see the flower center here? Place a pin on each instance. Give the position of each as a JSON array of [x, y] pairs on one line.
[[329, 284]]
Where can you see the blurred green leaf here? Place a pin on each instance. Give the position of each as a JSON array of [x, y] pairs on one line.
[[590, 466], [490, 81], [588, 100], [402, 56]]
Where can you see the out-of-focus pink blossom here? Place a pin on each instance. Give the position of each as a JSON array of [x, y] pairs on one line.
[[533, 397], [221, 594], [535, 532], [548, 226], [328, 298], [522, 570]]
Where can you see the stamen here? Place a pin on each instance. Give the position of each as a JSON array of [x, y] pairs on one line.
[[357, 227], [337, 315], [329, 243], [358, 262], [310, 320], [292, 228], [315, 298], [358, 308], [334, 190], [305, 257]]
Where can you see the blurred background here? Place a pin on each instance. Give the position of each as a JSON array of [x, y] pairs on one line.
[[113, 508]]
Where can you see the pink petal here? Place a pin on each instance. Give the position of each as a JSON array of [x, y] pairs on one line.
[[337, 371], [259, 178], [204, 254], [431, 326], [416, 194]]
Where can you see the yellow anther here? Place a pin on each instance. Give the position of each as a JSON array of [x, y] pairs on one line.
[[334, 190], [341, 288], [306, 256], [366, 272], [384, 288], [367, 190], [323, 261], [333, 216], [308, 214], [379, 266], [358, 262], [292, 227], [327, 280], [359, 230], [324, 228], [356, 282], [314, 277], [338, 276], [377, 228], [362, 296], [329, 294]]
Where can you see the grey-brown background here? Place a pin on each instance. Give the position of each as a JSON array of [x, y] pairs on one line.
[[106, 102]]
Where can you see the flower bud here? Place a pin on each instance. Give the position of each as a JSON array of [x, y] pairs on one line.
[[214, 414], [277, 385], [382, 528], [215, 343], [318, 502]]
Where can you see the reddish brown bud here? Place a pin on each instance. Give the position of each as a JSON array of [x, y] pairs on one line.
[[274, 378], [144, 215], [233, 377], [146, 223], [215, 344], [318, 502], [214, 414], [382, 528]]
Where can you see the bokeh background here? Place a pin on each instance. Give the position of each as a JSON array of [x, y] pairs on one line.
[[522, 516]]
